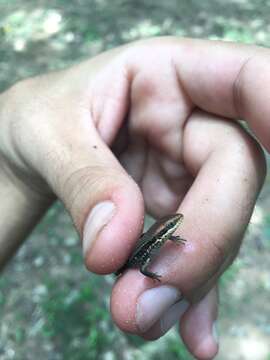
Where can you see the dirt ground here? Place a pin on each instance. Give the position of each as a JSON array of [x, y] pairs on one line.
[[37, 36]]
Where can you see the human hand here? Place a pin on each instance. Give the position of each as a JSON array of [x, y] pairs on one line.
[[160, 104]]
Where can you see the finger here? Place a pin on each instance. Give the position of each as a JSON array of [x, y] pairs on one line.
[[197, 324], [198, 327], [228, 167], [156, 124], [171, 317], [227, 79], [105, 204]]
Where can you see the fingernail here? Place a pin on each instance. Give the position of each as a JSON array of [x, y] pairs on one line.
[[215, 332], [173, 315], [153, 303], [99, 216]]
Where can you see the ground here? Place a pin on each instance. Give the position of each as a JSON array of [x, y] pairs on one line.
[[50, 307]]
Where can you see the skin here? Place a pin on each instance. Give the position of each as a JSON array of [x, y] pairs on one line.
[[177, 99]]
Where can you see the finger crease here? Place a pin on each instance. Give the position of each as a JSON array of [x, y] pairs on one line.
[[237, 92]]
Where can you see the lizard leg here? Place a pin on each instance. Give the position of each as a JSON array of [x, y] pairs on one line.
[[145, 272], [178, 239]]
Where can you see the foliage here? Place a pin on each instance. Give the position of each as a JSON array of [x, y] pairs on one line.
[[76, 322]]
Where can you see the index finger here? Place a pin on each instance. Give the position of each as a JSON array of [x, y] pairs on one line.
[[227, 79], [229, 169]]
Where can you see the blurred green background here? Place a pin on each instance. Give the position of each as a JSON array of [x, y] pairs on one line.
[[50, 307]]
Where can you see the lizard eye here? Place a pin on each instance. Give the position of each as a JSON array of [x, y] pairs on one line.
[[175, 221]]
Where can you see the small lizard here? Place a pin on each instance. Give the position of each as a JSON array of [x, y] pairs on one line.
[[150, 243]]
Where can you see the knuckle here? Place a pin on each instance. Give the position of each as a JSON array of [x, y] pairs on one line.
[[220, 252]]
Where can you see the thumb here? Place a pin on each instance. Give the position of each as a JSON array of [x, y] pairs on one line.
[[50, 140], [104, 202], [62, 146]]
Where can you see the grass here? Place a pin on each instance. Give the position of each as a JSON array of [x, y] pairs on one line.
[[77, 321]]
